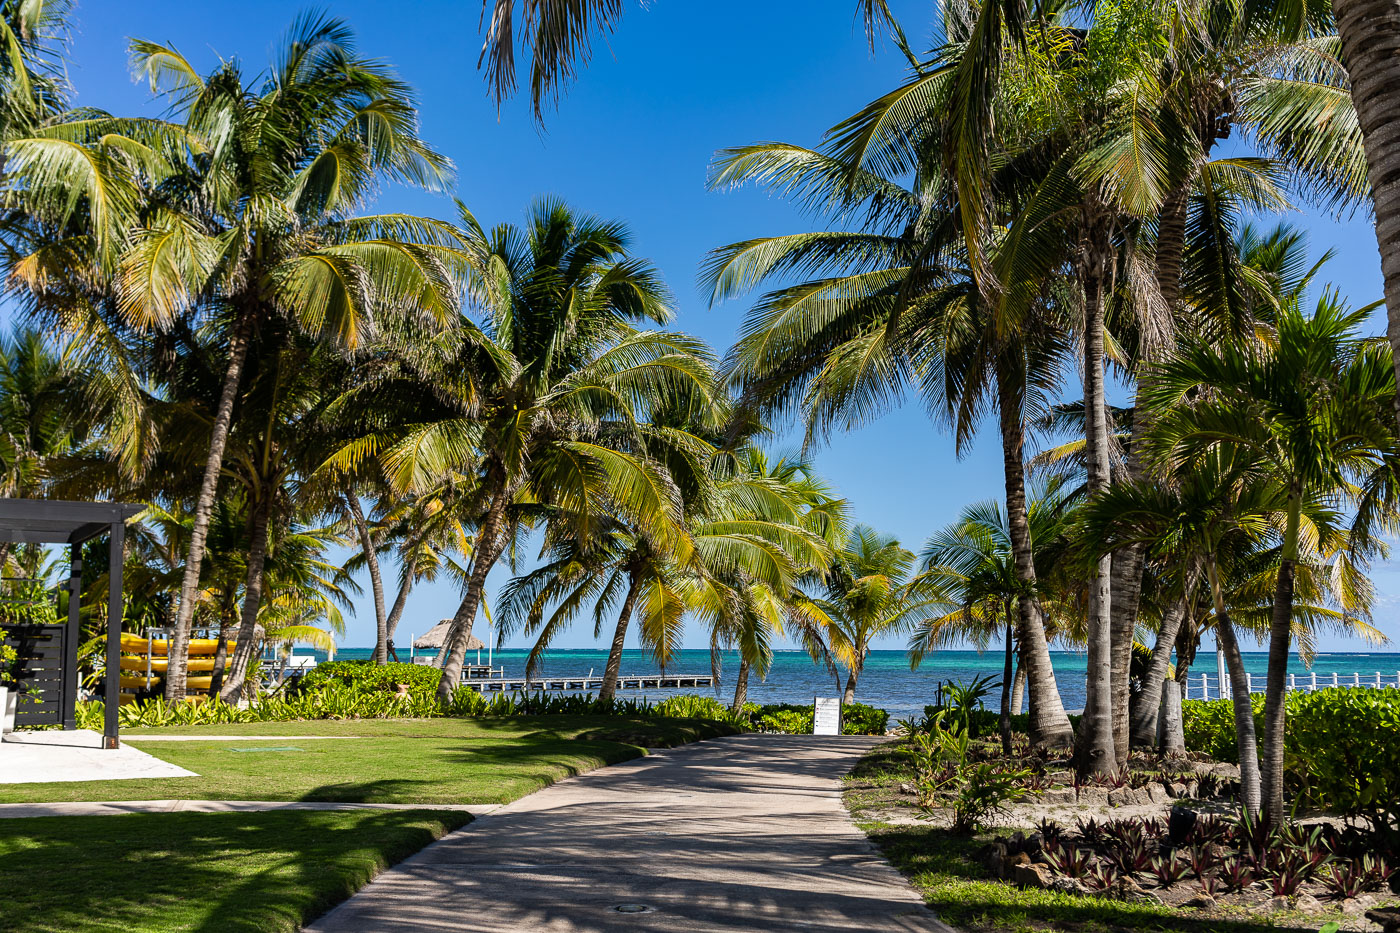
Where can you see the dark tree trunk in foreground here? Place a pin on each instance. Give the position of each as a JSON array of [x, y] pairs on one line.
[[849, 695], [1049, 726], [1004, 723]]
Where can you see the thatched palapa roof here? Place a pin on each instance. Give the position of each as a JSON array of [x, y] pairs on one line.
[[434, 638]]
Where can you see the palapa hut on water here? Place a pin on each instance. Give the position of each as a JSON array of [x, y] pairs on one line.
[[436, 637]]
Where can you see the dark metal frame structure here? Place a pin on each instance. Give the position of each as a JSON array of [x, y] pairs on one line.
[[55, 521]]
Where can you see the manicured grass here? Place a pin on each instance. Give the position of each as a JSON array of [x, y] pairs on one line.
[[415, 761], [202, 872]]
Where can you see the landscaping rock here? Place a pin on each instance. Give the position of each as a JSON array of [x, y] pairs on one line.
[[992, 857], [1157, 793], [1068, 886], [1308, 904], [1033, 876], [1178, 789], [909, 789], [1093, 794], [1061, 777], [1279, 903], [1058, 795], [1127, 797], [1200, 902], [1387, 917], [1035, 845], [1013, 862]]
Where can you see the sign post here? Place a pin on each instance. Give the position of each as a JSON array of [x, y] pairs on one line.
[[826, 715]]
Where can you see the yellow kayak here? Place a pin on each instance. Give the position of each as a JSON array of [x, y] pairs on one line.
[[141, 683], [159, 665], [161, 647]]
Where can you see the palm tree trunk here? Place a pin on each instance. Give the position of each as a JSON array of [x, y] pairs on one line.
[[614, 667], [741, 686], [1006, 675], [391, 624], [1126, 590], [376, 582], [1018, 689], [216, 684], [252, 596], [178, 668], [1276, 687], [848, 696], [1095, 751], [1049, 725], [1149, 701], [1370, 34], [489, 548], [1239, 690]]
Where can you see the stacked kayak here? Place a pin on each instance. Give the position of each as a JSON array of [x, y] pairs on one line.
[[144, 662]]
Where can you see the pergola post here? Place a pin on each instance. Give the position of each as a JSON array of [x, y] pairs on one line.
[[72, 636], [115, 546]]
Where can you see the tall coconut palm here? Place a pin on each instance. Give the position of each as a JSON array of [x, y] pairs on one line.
[[546, 404], [260, 178], [1312, 408]]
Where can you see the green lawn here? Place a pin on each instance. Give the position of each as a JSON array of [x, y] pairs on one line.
[[204, 872], [424, 761]]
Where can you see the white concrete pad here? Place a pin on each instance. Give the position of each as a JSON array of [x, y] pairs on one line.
[[75, 755]]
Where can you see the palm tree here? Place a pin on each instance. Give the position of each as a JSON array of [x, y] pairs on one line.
[[243, 212], [1312, 408], [864, 596], [971, 565], [545, 406]]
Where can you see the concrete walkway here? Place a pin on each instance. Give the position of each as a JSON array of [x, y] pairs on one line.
[[75, 755], [739, 834]]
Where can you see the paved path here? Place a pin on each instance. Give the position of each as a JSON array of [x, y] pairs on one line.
[[738, 834], [116, 807]]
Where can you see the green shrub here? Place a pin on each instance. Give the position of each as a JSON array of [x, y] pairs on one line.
[[984, 722], [791, 720], [1343, 746], [859, 719], [693, 706], [420, 678], [1209, 726]]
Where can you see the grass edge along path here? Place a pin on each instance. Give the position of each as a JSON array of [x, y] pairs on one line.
[[426, 762], [268, 872]]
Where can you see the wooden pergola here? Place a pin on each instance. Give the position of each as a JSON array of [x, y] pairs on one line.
[[49, 653]]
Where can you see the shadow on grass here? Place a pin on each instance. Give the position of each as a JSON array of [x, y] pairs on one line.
[[206, 873], [966, 895]]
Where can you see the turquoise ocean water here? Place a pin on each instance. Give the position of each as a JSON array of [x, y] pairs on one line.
[[888, 682]]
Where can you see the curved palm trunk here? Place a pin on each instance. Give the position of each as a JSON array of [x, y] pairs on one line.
[[1370, 34], [216, 684], [376, 582], [1049, 725], [1006, 676], [1276, 688], [741, 687], [1149, 701], [489, 548], [252, 598], [1018, 689], [848, 696], [614, 666], [1239, 690], [178, 667], [391, 624], [1096, 752]]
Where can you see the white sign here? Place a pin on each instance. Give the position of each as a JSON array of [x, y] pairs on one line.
[[826, 715]]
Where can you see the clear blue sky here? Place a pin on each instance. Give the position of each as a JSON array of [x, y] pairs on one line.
[[633, 139]]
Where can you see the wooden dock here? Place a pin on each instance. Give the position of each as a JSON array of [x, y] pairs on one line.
[[589, 683]]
